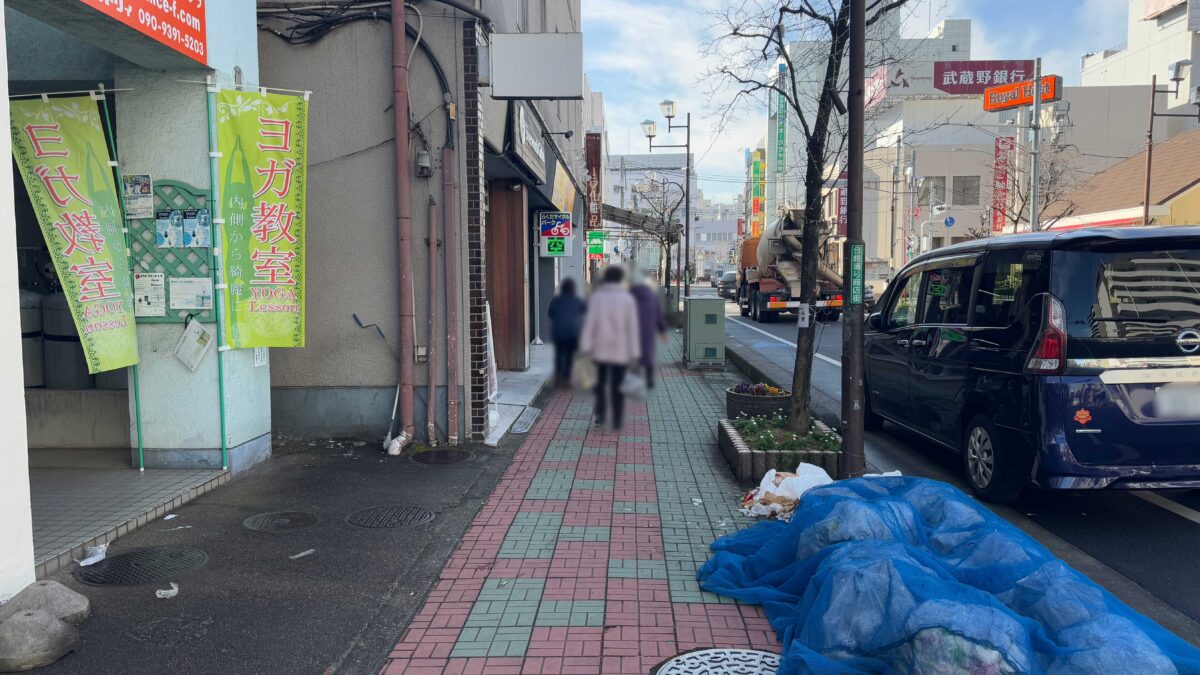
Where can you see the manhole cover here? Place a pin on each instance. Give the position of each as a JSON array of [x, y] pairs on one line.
[[280, 521], [390, 516], [721, 662], [442, 457], [143, 566]]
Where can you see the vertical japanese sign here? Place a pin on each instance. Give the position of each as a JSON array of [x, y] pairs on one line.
[[592, 150], [781, 121], [60, 150], [263, 145], [843, 211], [758, 187], [1000, 168], [856, 273]]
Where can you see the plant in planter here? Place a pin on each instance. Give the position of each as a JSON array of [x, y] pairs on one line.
[[754, 445], [756, 400]]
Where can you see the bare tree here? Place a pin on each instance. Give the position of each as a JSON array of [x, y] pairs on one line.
[[752, 39], [661, 200], [1060, 173]]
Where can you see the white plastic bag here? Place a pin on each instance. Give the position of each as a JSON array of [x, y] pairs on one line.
[[633, 385]]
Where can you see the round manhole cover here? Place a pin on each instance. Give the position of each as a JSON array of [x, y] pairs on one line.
[[721, 662], [280, 521], [143, 566], [442, 457], [398, 515]]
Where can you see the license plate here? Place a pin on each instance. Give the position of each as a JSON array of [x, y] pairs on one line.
[[1177, 401]]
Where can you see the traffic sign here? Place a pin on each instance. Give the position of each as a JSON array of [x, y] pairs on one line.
[[949, 221], [1017, 94]]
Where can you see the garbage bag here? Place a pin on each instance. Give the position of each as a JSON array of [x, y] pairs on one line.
[[897, 574]]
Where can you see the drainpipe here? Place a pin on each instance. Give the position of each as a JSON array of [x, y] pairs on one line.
[[450, 238], [431, 360], [403, 225]]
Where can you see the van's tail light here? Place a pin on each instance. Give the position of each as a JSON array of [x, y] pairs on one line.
[[1049, 354], [838, 297]]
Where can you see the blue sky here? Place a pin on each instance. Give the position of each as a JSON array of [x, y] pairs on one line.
[[639, 52]]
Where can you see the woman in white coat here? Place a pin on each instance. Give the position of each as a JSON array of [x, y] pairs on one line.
[[611, 337]]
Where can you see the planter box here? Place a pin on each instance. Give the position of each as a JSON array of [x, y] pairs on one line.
[[751, 405], [750, 465]]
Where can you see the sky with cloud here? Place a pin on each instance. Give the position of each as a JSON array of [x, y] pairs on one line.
[[638, 52]]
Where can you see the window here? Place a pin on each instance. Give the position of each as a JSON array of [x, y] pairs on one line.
[[966, 191], [903, 309], [935, 185], [948, 292], [1004, 287]]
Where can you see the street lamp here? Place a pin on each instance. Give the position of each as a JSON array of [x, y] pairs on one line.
[[650, 129]]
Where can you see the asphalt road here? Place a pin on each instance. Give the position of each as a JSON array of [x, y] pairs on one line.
[[1149, 539]]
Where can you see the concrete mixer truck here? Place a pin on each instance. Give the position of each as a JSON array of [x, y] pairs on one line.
[[769, 275]]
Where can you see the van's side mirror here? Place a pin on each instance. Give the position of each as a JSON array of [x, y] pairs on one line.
[[874, 321]]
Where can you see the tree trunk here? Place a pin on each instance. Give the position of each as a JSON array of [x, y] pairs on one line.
[[814, 180]]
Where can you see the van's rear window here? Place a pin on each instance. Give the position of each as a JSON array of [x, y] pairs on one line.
[[1129, 293]]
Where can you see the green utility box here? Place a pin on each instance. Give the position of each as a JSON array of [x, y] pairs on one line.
[[705, 346]]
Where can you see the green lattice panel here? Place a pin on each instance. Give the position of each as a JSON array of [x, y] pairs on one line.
[[173, 262]]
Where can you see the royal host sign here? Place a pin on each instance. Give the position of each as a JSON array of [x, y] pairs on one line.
[[178, 24]]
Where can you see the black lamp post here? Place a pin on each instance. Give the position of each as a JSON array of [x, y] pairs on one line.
[[650, 128]]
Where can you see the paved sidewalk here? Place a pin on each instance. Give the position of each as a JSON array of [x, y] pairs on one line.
[[584, 558]]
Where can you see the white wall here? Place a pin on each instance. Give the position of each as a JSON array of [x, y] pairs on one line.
[[16, 523], [1151, 46]]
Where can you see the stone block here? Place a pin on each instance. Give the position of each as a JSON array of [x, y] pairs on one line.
[[50, 597], [34, 638]]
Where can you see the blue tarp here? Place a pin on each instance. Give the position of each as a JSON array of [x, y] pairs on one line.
[[909, 575]]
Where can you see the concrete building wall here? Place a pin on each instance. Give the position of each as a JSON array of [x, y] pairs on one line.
[[16, 526], [1150, 46], [347, 375]]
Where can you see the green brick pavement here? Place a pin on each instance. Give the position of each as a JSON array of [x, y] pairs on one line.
[[532, 535], [570, 613], [586, 484], [551, 484], [502, 619], [635, 507], [582, 533]]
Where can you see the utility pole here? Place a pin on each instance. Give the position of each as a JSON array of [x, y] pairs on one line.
[[895, 195], [1036, 151], [1149, 152], [687, 214], [853, 457]]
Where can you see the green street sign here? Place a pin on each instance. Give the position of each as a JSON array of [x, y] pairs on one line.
[[595, 241], [856, 274], [556, 246]]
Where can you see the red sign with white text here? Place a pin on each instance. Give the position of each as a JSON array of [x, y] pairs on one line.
[[1000, 167], [973, 77], [178, 24]]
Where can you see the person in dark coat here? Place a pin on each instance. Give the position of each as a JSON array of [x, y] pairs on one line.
[[566, 318], [651, 323]]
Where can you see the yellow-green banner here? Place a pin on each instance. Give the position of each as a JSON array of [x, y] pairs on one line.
[[60, 150], [262, 167]]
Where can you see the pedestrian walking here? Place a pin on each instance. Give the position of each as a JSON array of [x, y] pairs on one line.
[[566, 319], [611, 336], [651, 323]]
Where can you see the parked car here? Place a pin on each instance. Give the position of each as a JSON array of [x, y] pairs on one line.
[[727, 286], [1063, 360]]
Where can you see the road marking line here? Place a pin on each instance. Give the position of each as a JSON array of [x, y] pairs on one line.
[[779, 339], [1170, 505]]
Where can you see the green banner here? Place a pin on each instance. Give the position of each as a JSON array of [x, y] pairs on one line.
[[60, 150], [263, 144]]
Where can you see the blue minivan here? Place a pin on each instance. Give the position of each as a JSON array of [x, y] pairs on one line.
[[1063, 360]]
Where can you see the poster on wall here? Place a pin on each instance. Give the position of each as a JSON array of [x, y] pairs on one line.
[[60, 150], [168, 228], [197, 232], [149, 292], [139, 196], [191, 293], [263, 141]]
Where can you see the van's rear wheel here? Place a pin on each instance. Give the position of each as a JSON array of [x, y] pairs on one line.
[[991, 467]]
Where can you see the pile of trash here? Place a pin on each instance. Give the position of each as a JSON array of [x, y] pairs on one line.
[[779, 493], [897, 574]]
